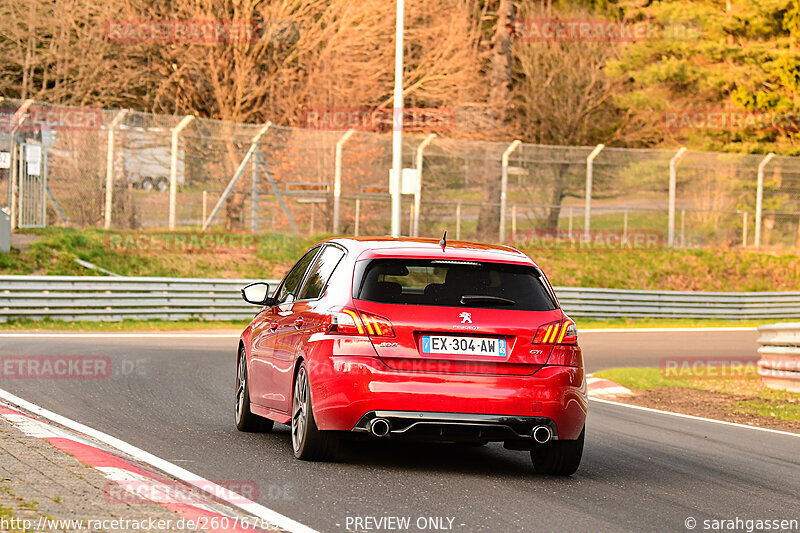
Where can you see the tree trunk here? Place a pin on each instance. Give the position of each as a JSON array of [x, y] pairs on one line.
[[559, 192], [499, 96]]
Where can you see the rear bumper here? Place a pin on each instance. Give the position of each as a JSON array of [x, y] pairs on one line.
[[348, 390], [457, 426]]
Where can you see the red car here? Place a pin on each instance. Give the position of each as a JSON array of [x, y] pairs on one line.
[[414, 339]]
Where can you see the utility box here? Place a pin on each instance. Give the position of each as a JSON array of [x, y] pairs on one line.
[[5, 230]]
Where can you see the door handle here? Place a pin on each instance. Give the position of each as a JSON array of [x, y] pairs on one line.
[[298, 323]]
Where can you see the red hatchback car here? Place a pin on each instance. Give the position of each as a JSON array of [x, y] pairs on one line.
[[414, 339]]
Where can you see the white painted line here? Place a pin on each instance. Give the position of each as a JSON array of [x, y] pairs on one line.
[[656, 330], [119, 335], [692, 417], [255, 509]]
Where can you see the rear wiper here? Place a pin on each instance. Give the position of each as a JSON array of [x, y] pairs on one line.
[[478, 298]]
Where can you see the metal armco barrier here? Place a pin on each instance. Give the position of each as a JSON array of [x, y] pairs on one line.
[[779, 348], [115, 298]]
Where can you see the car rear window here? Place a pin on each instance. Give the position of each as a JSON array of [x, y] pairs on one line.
[[455, 284]]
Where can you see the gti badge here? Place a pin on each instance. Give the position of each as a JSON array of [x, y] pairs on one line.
[[466, 318]]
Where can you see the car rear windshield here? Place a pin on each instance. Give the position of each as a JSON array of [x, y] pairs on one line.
[[455, 284]]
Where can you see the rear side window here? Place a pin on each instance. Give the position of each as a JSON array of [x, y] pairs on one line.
[[321, 272], [455, 284]]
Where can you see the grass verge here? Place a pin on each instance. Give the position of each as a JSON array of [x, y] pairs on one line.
[[735, 395], [187, 253]]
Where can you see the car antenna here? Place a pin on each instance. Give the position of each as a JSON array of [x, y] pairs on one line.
[[443, 242]]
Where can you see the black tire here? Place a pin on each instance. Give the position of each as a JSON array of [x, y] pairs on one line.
[[558, 457], [146, 184], [162, 184], [308, 442], [245, 419]]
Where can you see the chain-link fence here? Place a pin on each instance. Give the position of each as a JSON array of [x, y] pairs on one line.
[[125, 169]]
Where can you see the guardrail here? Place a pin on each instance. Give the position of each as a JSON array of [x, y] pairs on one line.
[[779, 348], [115, 298]]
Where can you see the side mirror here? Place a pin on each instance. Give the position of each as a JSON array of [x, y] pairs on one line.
[[257, 294]]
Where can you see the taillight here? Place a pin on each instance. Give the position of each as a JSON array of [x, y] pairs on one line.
[[377, 326], [351, 322], [557, 333]]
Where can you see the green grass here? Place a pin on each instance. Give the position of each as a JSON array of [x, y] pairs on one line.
[[157, 253], [782, 411], [748, 394], [670, 269], [270, 255]]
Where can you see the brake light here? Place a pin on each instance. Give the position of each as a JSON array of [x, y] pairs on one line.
[[557, 333], [377, 325], [351, 322]]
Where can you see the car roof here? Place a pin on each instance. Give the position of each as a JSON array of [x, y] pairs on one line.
[[374, 247]]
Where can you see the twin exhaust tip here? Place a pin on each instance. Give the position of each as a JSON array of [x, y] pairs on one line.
[[542, 434], [379, 427]]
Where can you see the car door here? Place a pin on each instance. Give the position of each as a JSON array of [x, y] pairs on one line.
[[266, 333], [305, 318]]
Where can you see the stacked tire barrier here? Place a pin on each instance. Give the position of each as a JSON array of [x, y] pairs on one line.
[[779, 348]]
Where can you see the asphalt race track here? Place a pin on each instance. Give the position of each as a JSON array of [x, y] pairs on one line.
[[641, 471]]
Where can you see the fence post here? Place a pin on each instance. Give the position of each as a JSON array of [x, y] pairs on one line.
[[173, 168], [418, 193], [504, 188], [337, 179], [110, 167], [625, 226], [587, 211], [760, 198], [673, 180], [16, 123]]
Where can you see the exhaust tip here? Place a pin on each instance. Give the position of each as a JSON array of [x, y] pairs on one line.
[[379, 427], [542, 434]]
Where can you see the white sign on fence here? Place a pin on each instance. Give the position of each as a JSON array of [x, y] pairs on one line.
[[5, 159], [33, 154], [410, 180]]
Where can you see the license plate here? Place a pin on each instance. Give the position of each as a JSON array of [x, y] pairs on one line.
[[463, 345]]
